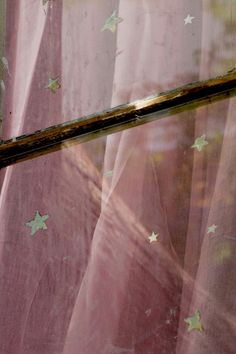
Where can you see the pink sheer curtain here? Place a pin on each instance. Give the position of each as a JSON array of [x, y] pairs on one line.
[[125, 244]]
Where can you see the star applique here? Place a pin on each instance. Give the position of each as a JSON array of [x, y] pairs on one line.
[[38, 223], [153, 237], [53, 85], [212, 229], [109, 173], [194, 322], [112, 22], [148, 312], [188, 20], [200, 142]]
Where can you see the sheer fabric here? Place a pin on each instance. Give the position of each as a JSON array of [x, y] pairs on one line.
[[125, 244]]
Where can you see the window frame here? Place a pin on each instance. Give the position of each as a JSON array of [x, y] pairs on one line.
[[57, 137]]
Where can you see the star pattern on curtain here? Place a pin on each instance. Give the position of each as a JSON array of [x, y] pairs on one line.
[[112, 22], [53, 84], [38, 223], [188, 20], [108, 173], [153, 237], [194, 322], [200, 143], [212, 229]]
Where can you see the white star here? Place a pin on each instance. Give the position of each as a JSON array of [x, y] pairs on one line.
[[148, 312], [153, 237], [188, 19], [212, 229]]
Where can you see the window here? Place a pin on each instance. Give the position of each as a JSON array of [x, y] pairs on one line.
[[117, 236]]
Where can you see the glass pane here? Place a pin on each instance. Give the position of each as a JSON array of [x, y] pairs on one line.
[[67, 59], [125, 244], [124, 248]]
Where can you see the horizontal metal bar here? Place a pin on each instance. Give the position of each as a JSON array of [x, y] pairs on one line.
[[116, 119]]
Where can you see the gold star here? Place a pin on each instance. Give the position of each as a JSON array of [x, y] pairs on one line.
[[200, 142], [188, 19], [194, 322], [37, 223], [212, 229], [153, 237], [53, 85], [112, 22]]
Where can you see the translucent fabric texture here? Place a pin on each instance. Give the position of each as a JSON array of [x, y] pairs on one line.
[[125, 244]]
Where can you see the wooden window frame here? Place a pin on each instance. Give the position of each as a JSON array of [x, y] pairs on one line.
[[122, 117]]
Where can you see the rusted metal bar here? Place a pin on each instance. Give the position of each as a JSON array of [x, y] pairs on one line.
[[116, 119]]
